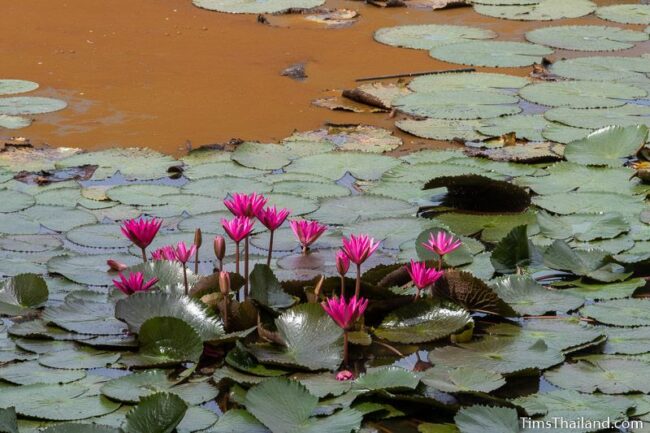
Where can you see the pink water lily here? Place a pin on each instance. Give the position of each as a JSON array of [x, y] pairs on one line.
[[342, 267], [164, 253], [272, 219], [422, 276], [358, 248], [134, 283], [307, 232], [182, 253], [219, 245], [344, 375], [237, 228], [114, 265], [247, 205], [345, 313], [141, 232], [441, 243]]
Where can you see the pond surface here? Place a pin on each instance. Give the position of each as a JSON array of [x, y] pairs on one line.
[[165, 73]]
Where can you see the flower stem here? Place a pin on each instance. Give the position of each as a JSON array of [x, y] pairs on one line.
[[304, 250], [187, 288], [220, 265], [237, 258], [440, 263], [196, 261], [342, 287], [246, 268], [144, 255], [225, 312], [346, 353], [268, 259], [357, 289]]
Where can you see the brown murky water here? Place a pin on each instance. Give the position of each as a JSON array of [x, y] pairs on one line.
[[162, 73]]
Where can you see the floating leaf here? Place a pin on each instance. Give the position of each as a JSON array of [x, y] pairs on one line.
[[336, 165], [544, 10], [311, 340], [156, 413], [10, 87], [627, 341], [16, 105], [607, 146], [21, 293], [256, 7], [443, 104], [479, 419], [527, 297], [423, 321], [79, 359], [31, 372], [266, 289], [588, 263], [169, 340], [514, 251], [580, 94], [467, 81], [626, 115], [357, 138], [14, 122], [133, 163], [348, 210], [139, 307], [528, 126], [491, 53], [262, 156], [13, 201], [85, 317], [620, 312], [588, 202], [427, 36], [609, 376], [582, 227], [390, 377], [603, 68], [586, 38], [492, 228], [616, 290], [625, 13], [462, 379], [292, 413], [441, 129]]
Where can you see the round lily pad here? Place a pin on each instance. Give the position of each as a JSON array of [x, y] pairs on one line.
[[141, 195], [620, 312], [256, 6], [298, 205], [336, 164], [220, 187], [10, 87], [16, 105], [91, 270], [170, 340], [625, 13], [586, 38], [459, 104], [467, 81], [544, 10], [427, 36], [13, 201], [603, 68], [581, 94], [31, 372], [133, 163], [160, 412], [625, 115], [347, 210], [526, 296], [462, 379], [491, 53], [607, 146], [528, 126], [588, 202], [309, 189], [563, 133], [85, 317], [58, 218], [441, 129], [78, 359], [609, 376], [227, 168], [98, 236], [262, 156], [14, 122]]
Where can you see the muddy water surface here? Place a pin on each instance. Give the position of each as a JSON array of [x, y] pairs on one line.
[[163, 73]]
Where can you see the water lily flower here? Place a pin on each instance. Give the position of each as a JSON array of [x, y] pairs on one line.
[[182, 253], [134, 283], [342, 266], [441, 243], [141, 232], [219, 245], [344, 375], [358, 249], [247, 205], [164, 253], [307, 232], [422, 276], [114, 265], [237, 228], [272, 219], [345, 313]]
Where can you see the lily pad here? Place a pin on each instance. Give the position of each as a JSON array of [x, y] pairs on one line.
[[348, 210], [620, 312], [462, 379], [588, 202], [16, 105], [256, 6], [133, 163], [10, 87], [13, 201], [261, 156], [139, 307], [625, 115], [582, 227], [609, 376], [441, 129], [627, 341], [589, 263], [603, 68], [444, 104], [169, 340], [478, 419], [356, 138], [312, 340], [336, 165], [427, 36], [98, 236], [91, 270], [79, 359], [159, 413], [528, 126], [266, 289], [423, 321], [625, 13], [21, 293], [467, 81], [607, 146], [586, 38], [530, 298], [491, 53], [492, 228], [581, 94], [31, 372], [544, 10], [85, 317]]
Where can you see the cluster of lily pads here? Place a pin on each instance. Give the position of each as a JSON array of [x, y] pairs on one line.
[[14, 108], [540, 310]]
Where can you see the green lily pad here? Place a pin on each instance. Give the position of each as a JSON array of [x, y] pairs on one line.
[[626, 341], [133, 163], [56, 402], [156, 413], [85, 317], [480, 81], [581, 94], [312, 340], [313, 190], [441, 129], [98, 236], [21, 293], [10, 87], [31, 372], [392, 232], [617, 290], [57, 218], [423, 321], [498, 354], [79, 359], [625, 115], [131, 388], [528, 126], [238, 420], [544, 10], [515, 251], [427, 36], [266, 289], [625, 13], [39, 329], [563, 133], [81, 428], [215, 170], [444, 104], [582, 227], [462, 379], [169, 340], [91, 270], [292, 413], [491, 53], [220, 187], [588, 263], [14, 122], [607, 146], [391, 377], [620, 312], [139, 307], [527, 297], [141, 194], [603, 68], [16, 105], [586, 38], [197, 419], [261, 156], [13, 201], [609, 376], [355, 138], [478, 419], [297, 205], [336, 165], [588, 202], [348, 210], [256, 7], [492, 228], [8, 422]]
